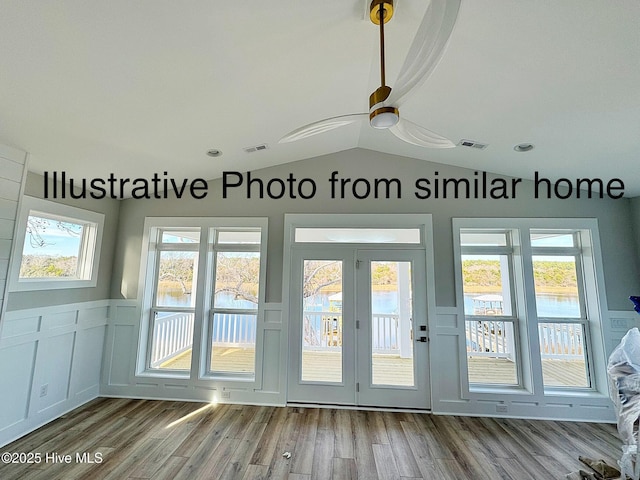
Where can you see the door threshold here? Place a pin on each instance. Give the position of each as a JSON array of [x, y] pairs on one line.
[[358, 407]]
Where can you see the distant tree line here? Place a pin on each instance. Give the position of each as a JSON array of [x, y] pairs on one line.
[[48, 266], [547, 274]]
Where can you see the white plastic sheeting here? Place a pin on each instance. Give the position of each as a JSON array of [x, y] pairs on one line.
[[624, 385]]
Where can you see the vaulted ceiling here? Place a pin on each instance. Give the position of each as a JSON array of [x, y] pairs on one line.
[[136, 87]]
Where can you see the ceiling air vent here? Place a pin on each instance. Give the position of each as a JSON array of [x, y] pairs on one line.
[[472, 144], [256, 148]]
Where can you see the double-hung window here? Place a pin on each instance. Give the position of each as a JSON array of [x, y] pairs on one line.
[[174, 262], [234, 312], [532, 290], [203, 285], [563, 325], [491, 323]]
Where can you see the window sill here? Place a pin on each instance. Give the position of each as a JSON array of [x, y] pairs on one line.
[[172, 374], [499, 390], [558, 392], [50, 284], [231, 378]]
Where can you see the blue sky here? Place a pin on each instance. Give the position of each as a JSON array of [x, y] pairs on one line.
[[58, 243]]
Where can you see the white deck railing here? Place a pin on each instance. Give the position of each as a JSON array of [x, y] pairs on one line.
[[494, 338], [489, 338], [234, 330], [323, 331], [562, 340], [173, 334]]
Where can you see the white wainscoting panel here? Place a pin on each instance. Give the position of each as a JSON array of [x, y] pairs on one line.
[[119, 378], [450, 392], [50, 363]]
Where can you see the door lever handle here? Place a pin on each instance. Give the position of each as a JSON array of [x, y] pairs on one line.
[[422, 339]]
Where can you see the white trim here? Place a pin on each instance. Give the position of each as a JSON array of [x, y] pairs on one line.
[[203, 309], [88, 257], [598, 336], [422, 221]]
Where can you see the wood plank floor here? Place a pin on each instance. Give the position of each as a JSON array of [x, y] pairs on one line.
[[144, 439]]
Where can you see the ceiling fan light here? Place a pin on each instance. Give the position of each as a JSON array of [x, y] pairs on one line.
[[384, 117]]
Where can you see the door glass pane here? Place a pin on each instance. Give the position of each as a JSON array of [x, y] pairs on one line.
[[175, 285], [322, 321], [391, 324], [171, 340], [563, 355], [556, 284]]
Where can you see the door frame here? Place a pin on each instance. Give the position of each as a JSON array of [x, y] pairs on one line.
[[423, 222], [369, 394]]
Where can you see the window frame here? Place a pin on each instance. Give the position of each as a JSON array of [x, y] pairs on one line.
[[88, 252], [592, 290], [216, 248], [204, 291], [575, 251], [514, 319], [154, 308]]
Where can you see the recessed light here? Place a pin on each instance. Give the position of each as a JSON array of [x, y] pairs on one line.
[[214, 152], [523, 147]]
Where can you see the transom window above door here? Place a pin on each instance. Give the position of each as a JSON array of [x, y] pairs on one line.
[[357, 235]]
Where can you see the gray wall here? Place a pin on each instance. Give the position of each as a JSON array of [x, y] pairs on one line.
[[110, 208], [635, 225], [614, 218]]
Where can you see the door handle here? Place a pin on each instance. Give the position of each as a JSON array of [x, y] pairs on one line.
[[422, 339]]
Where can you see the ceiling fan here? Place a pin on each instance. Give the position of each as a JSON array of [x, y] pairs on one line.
[[424, 54]]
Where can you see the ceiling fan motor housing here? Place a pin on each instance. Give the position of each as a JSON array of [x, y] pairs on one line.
[[381, 116]]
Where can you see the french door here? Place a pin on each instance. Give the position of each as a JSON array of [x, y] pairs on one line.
[[358, 327]]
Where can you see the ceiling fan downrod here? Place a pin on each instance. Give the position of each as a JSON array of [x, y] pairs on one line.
[[380, 12]]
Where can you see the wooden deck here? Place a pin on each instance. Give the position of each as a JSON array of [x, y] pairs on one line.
[[325, 366], [162, 440], [556, 373], [317, 366]]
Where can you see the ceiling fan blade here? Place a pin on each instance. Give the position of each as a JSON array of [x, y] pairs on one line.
[[420, 136], [321, 126], [427, 48]]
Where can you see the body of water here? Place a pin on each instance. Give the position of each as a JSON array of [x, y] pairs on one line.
[[383, 302], [548, 305]]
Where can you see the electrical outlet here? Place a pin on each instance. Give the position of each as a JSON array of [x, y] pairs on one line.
[[619, 323], [502, 408], [225, 395], [44, 390]]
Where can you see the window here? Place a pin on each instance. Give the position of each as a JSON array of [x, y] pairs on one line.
[[203, 297], [235, 302], [490, 323], [529, 288], [60, 246], [357, 235], [173, 302], [562, 319]]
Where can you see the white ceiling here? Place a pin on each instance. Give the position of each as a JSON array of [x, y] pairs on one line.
[[133, 88]]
